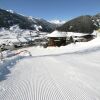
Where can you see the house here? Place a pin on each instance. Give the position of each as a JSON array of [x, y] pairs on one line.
[[80, 37], [96, 33], [57, 38]]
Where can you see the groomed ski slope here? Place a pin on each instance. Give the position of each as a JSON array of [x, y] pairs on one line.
[[66, 73]]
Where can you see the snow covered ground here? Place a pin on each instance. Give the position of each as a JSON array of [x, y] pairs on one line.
[[58, 22], [66, 73], [20, 37]]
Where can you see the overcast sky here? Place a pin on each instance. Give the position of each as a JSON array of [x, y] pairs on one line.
[[52, 9]]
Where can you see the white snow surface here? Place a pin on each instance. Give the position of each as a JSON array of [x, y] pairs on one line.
[[11, 11], [57, 22], [14, 34], [57, 34], [66, 73], [77, 34], [37, 27]]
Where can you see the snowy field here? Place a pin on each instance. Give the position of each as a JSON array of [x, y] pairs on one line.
[[66, 73]]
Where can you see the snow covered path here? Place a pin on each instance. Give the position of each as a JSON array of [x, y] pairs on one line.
[[58, 77]]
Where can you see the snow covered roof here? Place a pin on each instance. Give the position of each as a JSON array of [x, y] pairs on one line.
[[57, 34], [76, 34]]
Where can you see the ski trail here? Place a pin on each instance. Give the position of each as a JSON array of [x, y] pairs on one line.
[[46, 78], [29, 82]]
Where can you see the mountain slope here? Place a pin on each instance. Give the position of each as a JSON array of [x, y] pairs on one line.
[[83, 24], [8, 18]]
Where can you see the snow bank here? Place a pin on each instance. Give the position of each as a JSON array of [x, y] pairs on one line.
[[90, 46], [6, 64], [9, 59]]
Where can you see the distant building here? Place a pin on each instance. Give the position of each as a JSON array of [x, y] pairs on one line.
[[96, 32], [80, 37], [57, 38]]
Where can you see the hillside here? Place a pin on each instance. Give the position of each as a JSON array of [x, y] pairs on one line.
[[82, 24], [10, 18]]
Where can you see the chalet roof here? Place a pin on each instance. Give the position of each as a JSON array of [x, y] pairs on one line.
[[57, 34], [76, 34]]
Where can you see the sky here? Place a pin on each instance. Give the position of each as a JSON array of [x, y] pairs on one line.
[[52, 9]]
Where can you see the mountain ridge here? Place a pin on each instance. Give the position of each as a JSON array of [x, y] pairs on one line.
[[8, 19], [83, 24]]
